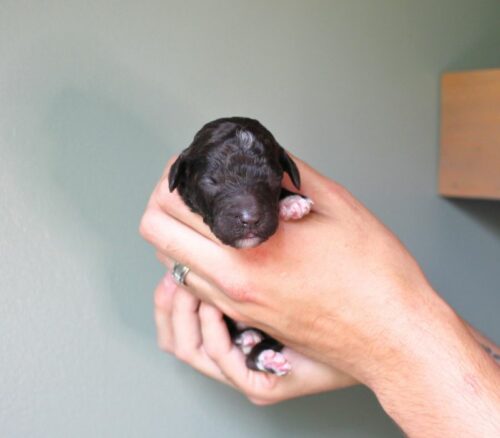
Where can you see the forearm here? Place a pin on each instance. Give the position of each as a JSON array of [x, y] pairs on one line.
[[488, 346], [441, 382]]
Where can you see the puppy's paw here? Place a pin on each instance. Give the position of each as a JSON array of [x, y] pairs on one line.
[[247, 340], [294, 207], [273, 362]]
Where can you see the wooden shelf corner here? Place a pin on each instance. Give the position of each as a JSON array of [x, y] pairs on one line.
[[470, 134]]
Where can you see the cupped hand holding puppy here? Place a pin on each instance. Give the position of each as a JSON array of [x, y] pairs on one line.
[[341, 289], [196, 333]]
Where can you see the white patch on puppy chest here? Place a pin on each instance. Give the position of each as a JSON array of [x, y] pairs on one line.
[[294, 207]]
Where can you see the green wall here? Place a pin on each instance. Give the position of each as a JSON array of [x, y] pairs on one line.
[[94, 98]]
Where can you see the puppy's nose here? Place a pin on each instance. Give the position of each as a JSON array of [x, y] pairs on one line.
[[249, 218]]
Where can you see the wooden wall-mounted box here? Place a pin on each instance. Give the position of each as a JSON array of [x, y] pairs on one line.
[[470, 134]]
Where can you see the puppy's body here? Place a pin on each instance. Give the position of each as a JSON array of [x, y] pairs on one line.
[[231, 175]]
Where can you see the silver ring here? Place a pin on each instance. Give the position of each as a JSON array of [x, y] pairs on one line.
[[179, 273]]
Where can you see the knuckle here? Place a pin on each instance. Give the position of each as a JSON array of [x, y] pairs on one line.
[[241, 294], [240, 290], [149, 224], [173, 249], [206, 312], [335, 189], [143, 225], [163, 259], [163, 190], [340, 194], [165, 197], [184, 354], [152, 229], [214, 352], [160, 302], [164, 345]]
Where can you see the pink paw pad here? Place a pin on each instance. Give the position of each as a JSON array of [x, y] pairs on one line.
[[273, 362], [294, 207], [247, 340]]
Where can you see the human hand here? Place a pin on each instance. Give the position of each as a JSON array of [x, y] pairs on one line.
[[196, 334], [339, 287], [335, 285]]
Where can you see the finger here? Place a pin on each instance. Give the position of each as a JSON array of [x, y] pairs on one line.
[[218, 344], [165, 261], [164, 177], [171, 203], [163, 299], [207, 292], [185, 324], [178, 329], [228, 357], [177, 241]]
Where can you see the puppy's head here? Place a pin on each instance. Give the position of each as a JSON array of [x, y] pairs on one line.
[[231, 174]]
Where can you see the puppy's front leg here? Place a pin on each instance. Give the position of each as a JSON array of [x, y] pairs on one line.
[[293, 206]]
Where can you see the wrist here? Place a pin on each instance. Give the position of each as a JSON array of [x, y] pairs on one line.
[[435, 371], [389, 334], [420, 330]]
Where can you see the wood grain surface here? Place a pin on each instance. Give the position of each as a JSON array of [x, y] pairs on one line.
[[470, 134]]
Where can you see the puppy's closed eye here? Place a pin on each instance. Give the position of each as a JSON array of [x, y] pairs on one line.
[[210, 185], [209, 180]]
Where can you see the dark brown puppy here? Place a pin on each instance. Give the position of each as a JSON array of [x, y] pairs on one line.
[[231, 175]]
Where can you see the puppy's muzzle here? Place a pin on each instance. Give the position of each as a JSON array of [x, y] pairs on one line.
[[242, 221]]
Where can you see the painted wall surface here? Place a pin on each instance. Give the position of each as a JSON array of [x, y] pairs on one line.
[[94, 98]]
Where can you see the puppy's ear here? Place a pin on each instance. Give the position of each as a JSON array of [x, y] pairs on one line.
[[176, 171], [290, 167]]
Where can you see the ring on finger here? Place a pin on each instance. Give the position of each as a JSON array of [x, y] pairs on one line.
[[179, 273]]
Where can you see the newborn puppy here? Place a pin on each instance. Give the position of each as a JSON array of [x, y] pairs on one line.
[[231, 175]]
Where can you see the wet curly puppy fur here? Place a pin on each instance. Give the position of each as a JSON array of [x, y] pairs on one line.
[[231, 175]]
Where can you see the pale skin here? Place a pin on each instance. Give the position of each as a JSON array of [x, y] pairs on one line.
[[342, 292]]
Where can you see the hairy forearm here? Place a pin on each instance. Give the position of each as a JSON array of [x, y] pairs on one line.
[[440, 382], [488, 346]]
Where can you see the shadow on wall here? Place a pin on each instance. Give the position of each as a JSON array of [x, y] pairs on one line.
[[354, 409], [482, 53], [485, 212], [107, 161]]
